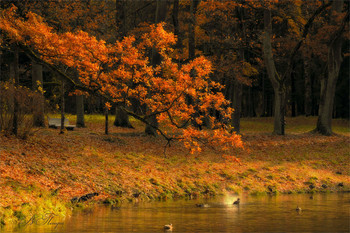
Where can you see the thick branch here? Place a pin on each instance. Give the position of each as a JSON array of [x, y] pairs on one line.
[[305, 32]]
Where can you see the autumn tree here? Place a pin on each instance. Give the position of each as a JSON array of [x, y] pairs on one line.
[[278, 79], [340, 23], [122, 71], [223, 38]]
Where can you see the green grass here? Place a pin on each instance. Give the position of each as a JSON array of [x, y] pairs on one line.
[[300, 124]]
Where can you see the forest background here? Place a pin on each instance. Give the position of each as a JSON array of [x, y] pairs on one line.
[[187, 70]]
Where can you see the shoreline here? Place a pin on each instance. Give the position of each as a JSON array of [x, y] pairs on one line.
[[46, 171]]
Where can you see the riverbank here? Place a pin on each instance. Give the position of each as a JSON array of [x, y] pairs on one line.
[[48, 170]]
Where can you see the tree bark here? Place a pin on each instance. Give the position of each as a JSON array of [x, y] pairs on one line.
[[237, 103], [238, 87], [80, 111], [62, 108], [177, 32], [328, 84], [277, 83], [16, 83], [1, 107], [106, 121], [191, 27], [37, 84], [160, 15], [293, 95], [307, 85], [122, 118]]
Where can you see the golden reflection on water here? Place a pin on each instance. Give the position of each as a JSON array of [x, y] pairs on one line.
[[323, 213]]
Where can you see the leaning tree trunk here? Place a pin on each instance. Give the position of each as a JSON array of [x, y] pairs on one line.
[[37, 85], [277, 82], [80, 111], [328, 83]]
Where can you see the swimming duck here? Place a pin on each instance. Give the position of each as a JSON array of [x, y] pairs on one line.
[[202, 205], [236, 202], [168, 227]]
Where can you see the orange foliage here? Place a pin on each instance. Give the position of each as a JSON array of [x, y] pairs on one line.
[[122, 71]]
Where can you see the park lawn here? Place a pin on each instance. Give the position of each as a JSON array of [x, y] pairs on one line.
[[45, 171]]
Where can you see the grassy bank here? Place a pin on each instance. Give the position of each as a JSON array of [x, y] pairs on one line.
[[44, 172]]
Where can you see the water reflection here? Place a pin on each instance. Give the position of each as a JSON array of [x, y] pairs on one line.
[[323, 213]]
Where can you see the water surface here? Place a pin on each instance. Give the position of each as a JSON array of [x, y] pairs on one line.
[[323, 213]]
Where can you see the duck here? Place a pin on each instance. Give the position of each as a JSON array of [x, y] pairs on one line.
[[202, 205], [236, 202], [168, 227], [298, 208]]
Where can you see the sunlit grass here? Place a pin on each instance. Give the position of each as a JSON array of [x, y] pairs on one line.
[[85, 160], [300, 124]]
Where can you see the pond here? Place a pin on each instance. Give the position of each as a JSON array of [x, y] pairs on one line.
[[322, 213]]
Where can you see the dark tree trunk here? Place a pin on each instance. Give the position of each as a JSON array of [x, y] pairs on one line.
[[307, 83], [176, 24], [328, 84], [293, 96], [80, 111], [237, 103], [152, 128], [0, 81], [16, 83], [122, 118], [278, 85], [106, 121], [62, 108], [191, 33], [238, 87], [160, 15], [37, 84]]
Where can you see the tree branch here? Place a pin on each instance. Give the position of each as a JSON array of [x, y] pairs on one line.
[[305, 33]]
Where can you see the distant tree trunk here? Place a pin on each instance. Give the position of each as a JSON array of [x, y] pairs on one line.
[[62, 108], [238, 87], [277, 83], [307, 83], [236, 103], [80, 111], [191, 31], [293, 96], [328, 84], [160, 15], [0, 81], [176, 24], [16, 83], [37, 83], [122, 118]]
